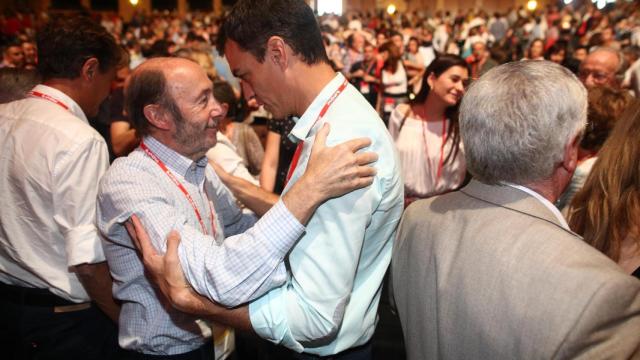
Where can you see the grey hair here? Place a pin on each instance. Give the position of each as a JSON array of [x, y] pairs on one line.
[[516, 120]]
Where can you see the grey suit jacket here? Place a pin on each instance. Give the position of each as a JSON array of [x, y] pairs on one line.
[[489, 273]]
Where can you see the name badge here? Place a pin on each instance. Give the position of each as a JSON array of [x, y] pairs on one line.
[[389, 104], [364, 87]]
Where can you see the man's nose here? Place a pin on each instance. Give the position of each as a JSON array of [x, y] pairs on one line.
[[247, 90]]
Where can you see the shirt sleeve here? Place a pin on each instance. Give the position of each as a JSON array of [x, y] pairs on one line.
[[76, 179], [230, 271], [310, 307]]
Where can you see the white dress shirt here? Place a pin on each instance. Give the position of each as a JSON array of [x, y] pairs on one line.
[[50, 163]]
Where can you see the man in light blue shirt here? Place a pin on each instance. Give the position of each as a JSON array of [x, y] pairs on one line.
[[328, 304]]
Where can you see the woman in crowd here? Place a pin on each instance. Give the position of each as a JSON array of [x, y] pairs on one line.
[[394, 80], [535, 51], [242, 136], [605, 107], [606, 212], [426, 132]]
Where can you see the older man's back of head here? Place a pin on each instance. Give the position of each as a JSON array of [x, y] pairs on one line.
[[493, 271]]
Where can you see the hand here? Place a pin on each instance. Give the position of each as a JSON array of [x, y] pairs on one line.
[[165, 271], [335, 171]]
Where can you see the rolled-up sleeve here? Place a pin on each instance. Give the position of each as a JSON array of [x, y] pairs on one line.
[[76, 179]]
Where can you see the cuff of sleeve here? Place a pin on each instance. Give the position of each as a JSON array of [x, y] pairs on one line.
[[271, 324], [281, 227], [83, 245]]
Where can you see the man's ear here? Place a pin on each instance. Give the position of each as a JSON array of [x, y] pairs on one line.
[[277, 52], [570, 158], [90, 69], [157, 116]]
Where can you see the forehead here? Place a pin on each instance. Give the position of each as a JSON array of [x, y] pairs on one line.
[[602, 59], [239, 60], [456, 70], [187, 79]]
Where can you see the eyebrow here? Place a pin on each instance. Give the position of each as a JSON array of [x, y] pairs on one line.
[[204, 92]]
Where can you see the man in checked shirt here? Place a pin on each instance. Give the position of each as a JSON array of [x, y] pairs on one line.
[[167, 183], [328, 304]]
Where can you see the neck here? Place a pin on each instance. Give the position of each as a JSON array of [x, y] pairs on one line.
[[309, 81], [544, 188], [165, 138], [554, 186], [432, 109], [72, 88]]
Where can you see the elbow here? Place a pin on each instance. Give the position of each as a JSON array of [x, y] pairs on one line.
[[324, 329]]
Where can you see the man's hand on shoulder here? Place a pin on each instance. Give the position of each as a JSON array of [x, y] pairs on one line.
[[331, 172], [335, 171], [166, 272]]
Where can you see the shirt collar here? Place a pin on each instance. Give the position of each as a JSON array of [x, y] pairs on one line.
[[192, 171], [74, 108], [544, 202], [305, 123]]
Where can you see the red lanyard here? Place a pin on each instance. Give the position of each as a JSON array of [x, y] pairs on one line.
[[184, 191], [296, 155], [48, 97], [426, 151]]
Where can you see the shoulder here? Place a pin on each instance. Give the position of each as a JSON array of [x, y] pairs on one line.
[[130, 171]]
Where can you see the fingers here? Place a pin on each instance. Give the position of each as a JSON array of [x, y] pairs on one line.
[[321, 137], [142, 238], [173, 240], [132, 233], [366, 158], [366, 171], [357, 144]]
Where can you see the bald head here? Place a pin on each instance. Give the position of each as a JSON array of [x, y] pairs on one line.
[[158, 81], [601, 67]]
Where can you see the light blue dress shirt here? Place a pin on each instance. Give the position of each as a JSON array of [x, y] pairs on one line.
[[330, 299], [231, 271]]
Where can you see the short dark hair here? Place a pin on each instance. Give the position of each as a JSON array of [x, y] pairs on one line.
[[64, 45], [146, 87], [223, 93], [252, 22]]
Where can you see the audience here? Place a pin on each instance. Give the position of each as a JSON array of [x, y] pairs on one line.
[[605, 106], [493, 271], [498, 241], [606, 211]]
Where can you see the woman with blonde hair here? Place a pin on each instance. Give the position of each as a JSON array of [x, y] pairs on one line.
[[606, 212]]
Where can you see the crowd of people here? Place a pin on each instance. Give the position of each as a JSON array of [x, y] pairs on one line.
[[490, 161]]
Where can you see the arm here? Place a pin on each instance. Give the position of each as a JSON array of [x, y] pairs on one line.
[[253, 197], [254, 150], [123, 138], [166, 272], [245, 266], [270, 161], [309, 309], [97, 281], [76, 180]]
